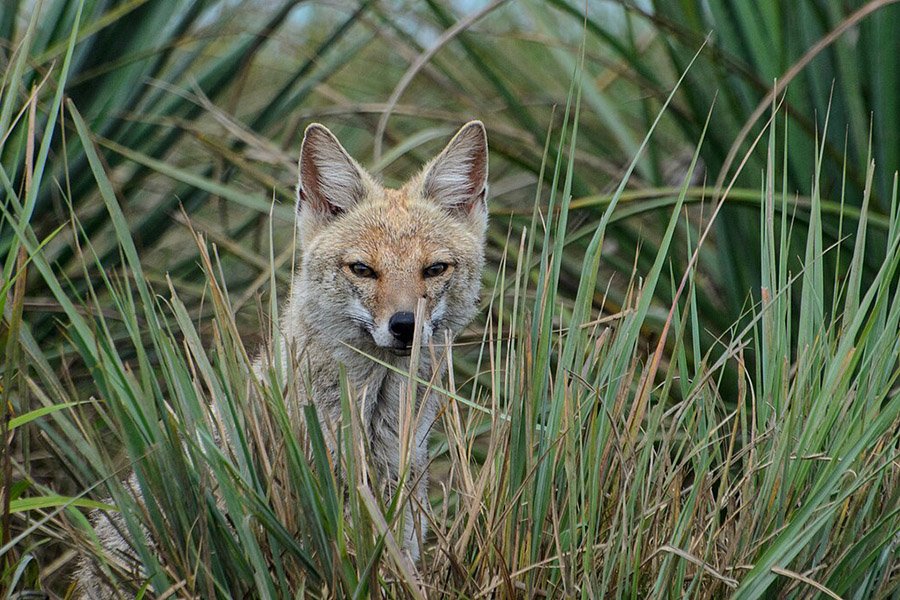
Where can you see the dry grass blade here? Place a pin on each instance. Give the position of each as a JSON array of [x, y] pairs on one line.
[[807, 580], [729, 581], [411, 580]]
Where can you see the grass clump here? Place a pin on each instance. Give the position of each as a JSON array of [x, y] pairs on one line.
[[638, 451], [576, 460]]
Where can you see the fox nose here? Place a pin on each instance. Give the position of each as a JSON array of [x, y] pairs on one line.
[[403, 326]]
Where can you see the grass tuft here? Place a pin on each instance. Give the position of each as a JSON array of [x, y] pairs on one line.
[[659, 401]]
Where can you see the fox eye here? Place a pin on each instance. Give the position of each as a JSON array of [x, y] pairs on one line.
[[434, 270], [362, 270]]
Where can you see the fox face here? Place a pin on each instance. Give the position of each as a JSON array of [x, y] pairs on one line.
[[371, 255]]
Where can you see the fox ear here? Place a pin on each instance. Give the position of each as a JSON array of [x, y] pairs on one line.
[[331, 182], [457, 178]]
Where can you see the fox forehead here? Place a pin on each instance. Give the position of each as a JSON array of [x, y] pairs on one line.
[[393, 229]]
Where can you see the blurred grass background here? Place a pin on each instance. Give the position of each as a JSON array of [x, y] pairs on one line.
[[197, 108], [219, 92]]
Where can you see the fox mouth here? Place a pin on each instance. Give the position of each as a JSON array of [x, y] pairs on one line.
[[395, 350]]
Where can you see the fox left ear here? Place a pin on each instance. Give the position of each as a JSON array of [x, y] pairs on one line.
[[457, 178]]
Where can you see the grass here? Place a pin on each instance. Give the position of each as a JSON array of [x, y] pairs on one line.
[[612, 428]]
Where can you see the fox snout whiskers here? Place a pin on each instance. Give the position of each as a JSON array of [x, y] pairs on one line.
[[396, 333]]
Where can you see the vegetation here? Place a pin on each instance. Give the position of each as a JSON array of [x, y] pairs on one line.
[[684, 383]]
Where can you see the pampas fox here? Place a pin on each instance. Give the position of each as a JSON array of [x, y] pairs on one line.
[[381, 269]]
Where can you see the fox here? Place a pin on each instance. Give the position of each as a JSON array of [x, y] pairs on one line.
[[384, 274]]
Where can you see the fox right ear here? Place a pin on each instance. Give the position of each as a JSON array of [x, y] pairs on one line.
[[330, 181], [457, 178]]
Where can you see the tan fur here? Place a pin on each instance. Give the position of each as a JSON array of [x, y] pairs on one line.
[[335, 316]]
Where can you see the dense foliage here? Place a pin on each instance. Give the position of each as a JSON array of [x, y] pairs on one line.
[[684, 382]]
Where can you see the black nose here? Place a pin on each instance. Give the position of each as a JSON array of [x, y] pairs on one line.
[[403, 326]]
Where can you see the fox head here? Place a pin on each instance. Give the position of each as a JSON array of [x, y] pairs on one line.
[[370, 253]]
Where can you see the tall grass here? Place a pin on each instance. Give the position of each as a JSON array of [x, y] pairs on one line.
[[623, 438], [201, 104], [577, 463]]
